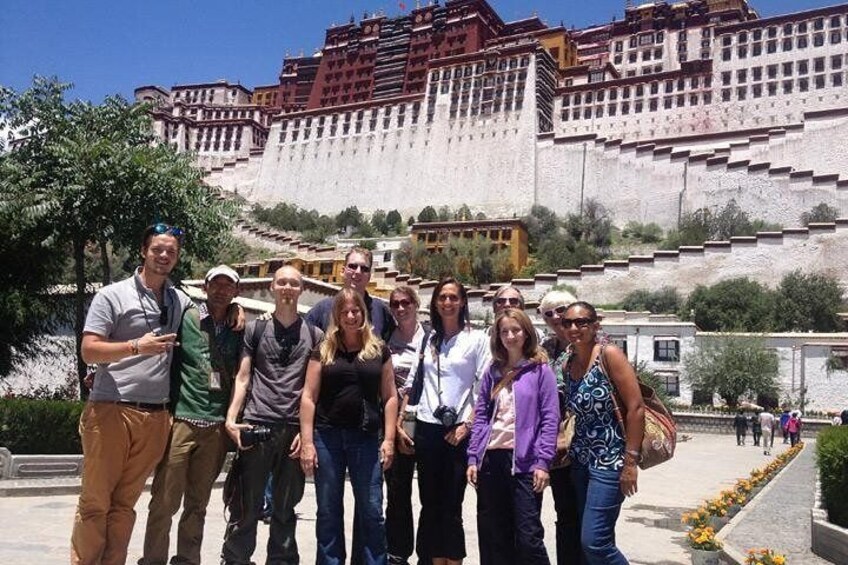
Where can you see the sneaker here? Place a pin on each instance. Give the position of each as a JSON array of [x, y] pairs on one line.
[[396, 560]]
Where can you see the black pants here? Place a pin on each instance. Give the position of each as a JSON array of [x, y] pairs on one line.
[[740, 436], [757, 435], [252, 468], [568, 549], [441, 488], [508, 514], [399, 528]]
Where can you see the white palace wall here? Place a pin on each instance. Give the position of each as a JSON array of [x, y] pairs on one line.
[[485, 161]]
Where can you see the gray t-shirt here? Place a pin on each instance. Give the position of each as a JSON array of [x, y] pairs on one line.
[[279, 369], [127, 310]]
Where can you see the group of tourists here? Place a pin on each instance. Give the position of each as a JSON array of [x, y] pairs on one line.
[[764, 425], [357, 388]]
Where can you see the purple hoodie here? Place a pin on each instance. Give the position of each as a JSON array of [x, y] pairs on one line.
[[536, 418]]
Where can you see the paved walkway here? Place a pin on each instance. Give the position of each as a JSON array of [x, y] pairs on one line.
[[36, 529], [779, 518]]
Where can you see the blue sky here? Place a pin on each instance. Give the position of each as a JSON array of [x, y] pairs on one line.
[[112, 46]]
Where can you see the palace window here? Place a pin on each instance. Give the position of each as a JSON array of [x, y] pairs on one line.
[[802, 42], [820, 82], [742, 75], [670, 381], [772, 71], [757, 73], [787, 29], [787, 69], [772, 88], [757, 91], [787, 44], [818, 64], [666, 349], [803, 85], [725, 78], [818, 40], [742, 52], [725, 54], [771, 46], [835, 21], [836, 79], [725, 95], [757, 34], [787, 87], [835, 37], [757, 49], [836, 62]]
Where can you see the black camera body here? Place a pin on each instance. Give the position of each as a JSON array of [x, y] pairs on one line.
[[254, 435], [447, 415]]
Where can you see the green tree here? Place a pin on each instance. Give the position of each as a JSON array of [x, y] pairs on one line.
[[666, 300], [732, 305], [379, 222], [428, 215], [732, 366], [541, 223], [808, 302], [394, 222], [820, 213], [412, 257], [439, 266], [445, 213], [593, 227], [644, 233], [95, 176], [463, 213], [350, 217]]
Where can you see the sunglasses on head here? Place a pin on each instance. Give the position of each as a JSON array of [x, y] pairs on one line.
[[558, 311], [359, 267], [160, 229], [511, 301], [398, 303], [580, 323]]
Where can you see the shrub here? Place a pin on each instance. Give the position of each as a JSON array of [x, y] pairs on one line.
[[832, 457], [41, 427]]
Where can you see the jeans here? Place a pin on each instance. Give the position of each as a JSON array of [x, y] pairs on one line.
[[508, 514], [252, 467], [441, 489], [599, 500], [357, 452], [740, 436], [400, 534], [568, 550]]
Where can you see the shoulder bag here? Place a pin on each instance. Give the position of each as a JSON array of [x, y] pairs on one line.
[[660, 437]]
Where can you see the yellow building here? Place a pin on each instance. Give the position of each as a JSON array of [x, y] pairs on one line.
[[510, 234], [327, 269]]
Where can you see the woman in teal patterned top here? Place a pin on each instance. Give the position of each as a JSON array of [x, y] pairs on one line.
[[604, 457]]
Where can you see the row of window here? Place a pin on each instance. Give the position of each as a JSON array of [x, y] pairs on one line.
[[786, 45], [653, 88], [804, 84], [785, 69], [789, 28], [344, 128], [479, 68]]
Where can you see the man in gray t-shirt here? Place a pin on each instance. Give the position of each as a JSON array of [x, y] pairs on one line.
[[129, 333], [267, 388]]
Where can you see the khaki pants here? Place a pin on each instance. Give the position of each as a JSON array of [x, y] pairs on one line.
[[121, 447], [193, 461]]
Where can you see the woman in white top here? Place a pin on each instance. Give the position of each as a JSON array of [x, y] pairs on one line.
[[454, 360], [404, 344]]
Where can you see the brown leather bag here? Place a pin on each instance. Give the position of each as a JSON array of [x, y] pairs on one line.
[[660, 437]]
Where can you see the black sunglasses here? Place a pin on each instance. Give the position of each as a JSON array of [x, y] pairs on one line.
[[359, 267], [160, 229], [511, 301], [581, 323], [398, 303]]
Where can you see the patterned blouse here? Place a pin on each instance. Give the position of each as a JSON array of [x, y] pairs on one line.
[[598, 441]]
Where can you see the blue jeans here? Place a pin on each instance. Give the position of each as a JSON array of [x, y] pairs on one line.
[[599, 501], [358, 452]]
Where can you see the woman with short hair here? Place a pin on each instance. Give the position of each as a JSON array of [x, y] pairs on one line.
[[513, 441], [568, 551], [348, 376]]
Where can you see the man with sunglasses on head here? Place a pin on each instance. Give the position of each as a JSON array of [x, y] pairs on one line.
[[130, 333], [204, 369], [263, 420]]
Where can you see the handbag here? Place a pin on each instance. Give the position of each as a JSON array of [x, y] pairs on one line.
[[565, 433], [660, 437]]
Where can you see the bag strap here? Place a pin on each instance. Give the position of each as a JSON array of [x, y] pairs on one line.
[[418, 381], [616, 405]]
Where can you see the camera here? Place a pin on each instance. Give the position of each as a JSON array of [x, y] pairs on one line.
[[447, 415], [255, 435]]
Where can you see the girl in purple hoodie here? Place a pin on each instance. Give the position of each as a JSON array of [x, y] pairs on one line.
[[513, 440]]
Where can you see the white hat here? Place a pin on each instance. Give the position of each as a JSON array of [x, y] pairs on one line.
[[222, 271]]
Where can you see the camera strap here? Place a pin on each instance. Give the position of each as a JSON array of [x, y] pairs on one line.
[[466, 395]]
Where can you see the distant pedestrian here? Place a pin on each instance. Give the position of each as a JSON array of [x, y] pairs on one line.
[[767, 425], [794, 428], [756, 428], [844, 417], [784, 421], [740, 424]]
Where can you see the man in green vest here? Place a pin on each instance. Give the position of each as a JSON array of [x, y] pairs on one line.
[[205, 366]]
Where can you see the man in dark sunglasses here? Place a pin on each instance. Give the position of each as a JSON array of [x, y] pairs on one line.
[[357, 275], [509, 296], [130, 333]]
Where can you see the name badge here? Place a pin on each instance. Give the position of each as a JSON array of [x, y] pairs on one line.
[[214, 380]]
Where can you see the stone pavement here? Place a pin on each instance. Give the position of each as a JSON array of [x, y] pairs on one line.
[[36, 529], [779, 518]]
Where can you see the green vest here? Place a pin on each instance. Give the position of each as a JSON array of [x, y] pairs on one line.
[[200, 352]]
